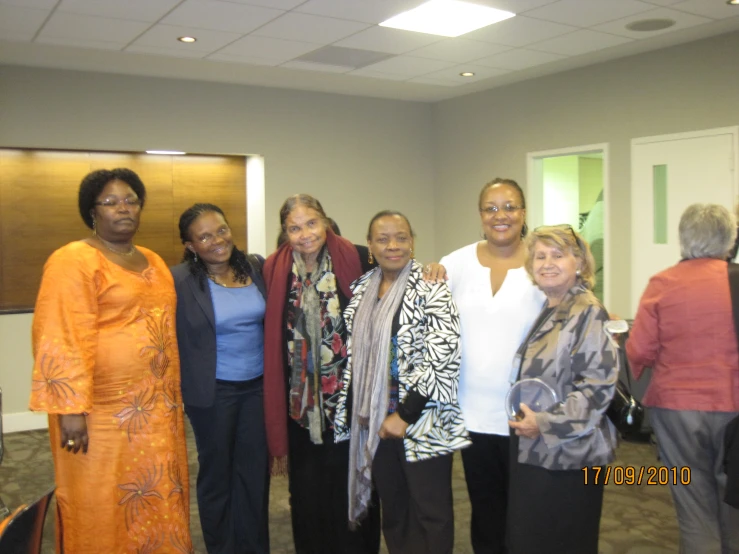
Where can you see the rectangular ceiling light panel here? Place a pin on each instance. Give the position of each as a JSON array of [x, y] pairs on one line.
[[448, 18]]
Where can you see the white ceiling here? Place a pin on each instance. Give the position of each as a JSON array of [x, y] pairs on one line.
[[262, 42]]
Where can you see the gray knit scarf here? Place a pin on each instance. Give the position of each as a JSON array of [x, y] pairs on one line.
[[370, 361]]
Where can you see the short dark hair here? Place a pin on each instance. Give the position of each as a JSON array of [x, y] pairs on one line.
[[510, 183], [94, 183], [387, 213]]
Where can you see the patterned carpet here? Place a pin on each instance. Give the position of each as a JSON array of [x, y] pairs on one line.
[[637, 519]]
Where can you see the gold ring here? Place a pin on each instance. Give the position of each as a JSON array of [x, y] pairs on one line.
[[428, 269], [70, 442]]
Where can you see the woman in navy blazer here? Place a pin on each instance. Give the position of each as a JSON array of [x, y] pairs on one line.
[[220, 331]]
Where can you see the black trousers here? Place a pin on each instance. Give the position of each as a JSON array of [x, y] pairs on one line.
[[553, 511], [319, 501], [486, 466], [233, 480], [416, 498]]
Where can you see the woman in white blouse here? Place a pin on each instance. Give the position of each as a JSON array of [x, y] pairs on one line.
[[497, 305]]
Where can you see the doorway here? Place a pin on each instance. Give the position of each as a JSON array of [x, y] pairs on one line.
[[570, 186], [668, 174]]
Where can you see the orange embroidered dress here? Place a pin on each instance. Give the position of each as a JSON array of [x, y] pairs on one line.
[[104, 343]]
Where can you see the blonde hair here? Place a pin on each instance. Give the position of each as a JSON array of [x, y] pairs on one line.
[[566, 239]]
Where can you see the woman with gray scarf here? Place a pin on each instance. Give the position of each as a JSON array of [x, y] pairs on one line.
[[398, 403]]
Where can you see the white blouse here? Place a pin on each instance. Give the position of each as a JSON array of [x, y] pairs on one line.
[[492, 329]]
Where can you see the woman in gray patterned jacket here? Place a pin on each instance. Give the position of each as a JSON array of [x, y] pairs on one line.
[[556, 490], [398, 403]]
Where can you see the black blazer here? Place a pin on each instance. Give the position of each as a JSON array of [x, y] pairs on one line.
[[196, 333]]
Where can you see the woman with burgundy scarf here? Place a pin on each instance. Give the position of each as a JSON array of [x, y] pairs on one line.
[[307, 281]]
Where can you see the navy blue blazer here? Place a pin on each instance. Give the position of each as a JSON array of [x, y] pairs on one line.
[[196, 333]]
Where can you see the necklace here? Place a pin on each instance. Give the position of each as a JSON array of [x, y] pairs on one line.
[[131, 251]]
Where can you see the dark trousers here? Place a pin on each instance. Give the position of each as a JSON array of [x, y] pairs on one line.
[[553, 511], [319, 501], [416, 497], [486, 466], [233, 479]]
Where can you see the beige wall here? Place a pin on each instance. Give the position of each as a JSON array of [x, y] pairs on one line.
[[477, 137], [357, 155]]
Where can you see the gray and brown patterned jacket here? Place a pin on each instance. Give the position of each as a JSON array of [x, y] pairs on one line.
[[571, 353]]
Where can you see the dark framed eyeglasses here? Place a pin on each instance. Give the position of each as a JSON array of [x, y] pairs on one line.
[[506, 208], [113, 202], [563, 227]]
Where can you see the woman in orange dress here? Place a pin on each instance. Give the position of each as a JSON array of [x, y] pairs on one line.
[[107, 372]]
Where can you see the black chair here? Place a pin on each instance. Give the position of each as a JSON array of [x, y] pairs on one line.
[[25, 529]]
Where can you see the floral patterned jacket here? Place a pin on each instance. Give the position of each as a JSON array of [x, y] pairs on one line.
[[428, 362], [571, 353]]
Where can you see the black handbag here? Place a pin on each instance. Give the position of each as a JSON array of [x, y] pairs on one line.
[[625, 412]]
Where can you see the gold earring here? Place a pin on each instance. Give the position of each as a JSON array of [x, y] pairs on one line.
[[370, 259], [196, 257], [411, 252], [94, 230]]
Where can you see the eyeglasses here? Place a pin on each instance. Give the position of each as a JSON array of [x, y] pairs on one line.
[[208, 238], [507, 208], [113, 202], [563, 227]]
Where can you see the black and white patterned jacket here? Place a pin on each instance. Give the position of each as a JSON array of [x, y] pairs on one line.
[[428, 362]]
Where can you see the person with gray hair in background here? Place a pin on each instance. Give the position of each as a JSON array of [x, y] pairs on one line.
[[684, 331]]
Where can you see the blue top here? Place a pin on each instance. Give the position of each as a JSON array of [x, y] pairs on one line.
[[239, 315]]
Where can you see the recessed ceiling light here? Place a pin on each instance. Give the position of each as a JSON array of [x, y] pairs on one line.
[[732, 2], [187, 39], [448, 18], [646, 25], [467, 74], [166, 152]]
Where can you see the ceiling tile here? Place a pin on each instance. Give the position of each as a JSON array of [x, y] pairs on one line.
[[88, 28], [579, 42], [437, 82], [459, 50], [268, 48], [519, 31], [364, 72], [21, 22], [409, 66], [161, 51], [220, 16], [663, 2], [453, 73], [137, 10], [515, 6], [375, 11], [44, 4], [391, 41], [310, 66], [519, 59], [586, 13], [310, 28], [683, 20], [717, 10], [250, 60], [82, 43], [276, 4], [165, 36]]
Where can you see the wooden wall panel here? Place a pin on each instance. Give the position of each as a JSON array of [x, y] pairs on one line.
[[39, 213]]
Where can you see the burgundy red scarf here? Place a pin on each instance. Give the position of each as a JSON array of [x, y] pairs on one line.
[[347, 267]]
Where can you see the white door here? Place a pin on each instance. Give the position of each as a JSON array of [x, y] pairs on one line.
[[670, 173]]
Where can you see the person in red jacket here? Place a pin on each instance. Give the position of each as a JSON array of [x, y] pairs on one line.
[[684, 331]]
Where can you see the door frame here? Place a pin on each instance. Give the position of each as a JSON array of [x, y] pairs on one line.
[[535, 196], [733, 162]]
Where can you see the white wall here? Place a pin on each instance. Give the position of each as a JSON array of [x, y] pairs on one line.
[[357, 155], [481, 136]]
